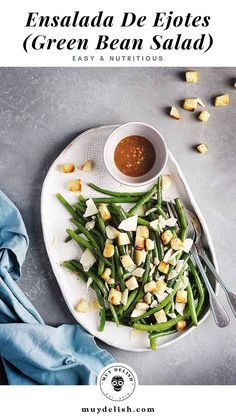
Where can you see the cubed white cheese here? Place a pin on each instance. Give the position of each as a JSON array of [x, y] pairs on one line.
[[150, 286], [142, 306], [181, 296], [82, 306], [131, 268], [123, 239], [138, 272], [160, 316], [147, 298], [160, 287], [114, 297], [126, 261], [132, 283]]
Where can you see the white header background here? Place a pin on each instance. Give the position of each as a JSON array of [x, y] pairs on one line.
[[13, 18]]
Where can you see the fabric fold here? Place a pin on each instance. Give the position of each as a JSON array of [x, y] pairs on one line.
[[32, 352]]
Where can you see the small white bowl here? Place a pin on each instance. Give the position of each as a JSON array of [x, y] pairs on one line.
[[144, 130]]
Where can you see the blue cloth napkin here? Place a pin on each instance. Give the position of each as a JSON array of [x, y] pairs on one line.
[[32, 352]]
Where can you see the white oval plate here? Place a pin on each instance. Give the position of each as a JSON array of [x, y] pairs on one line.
[[55, 219]]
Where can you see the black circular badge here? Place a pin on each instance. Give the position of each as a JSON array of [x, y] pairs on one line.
[[117, 381]]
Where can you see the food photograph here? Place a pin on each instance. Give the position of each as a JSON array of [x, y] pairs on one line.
[[117, 224]]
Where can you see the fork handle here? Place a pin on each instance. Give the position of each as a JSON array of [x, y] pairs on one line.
[[220, 315], [231, 297]]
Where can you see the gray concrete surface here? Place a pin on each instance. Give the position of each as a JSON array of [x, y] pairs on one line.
[[43, 109]]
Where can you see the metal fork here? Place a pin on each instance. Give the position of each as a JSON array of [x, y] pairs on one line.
[[220, 315], [231, 297]]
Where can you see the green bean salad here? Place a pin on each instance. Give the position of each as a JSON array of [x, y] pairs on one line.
[[138, 261]]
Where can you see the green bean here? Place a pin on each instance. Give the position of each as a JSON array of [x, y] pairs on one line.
[[80, 210], [112, 193], [81, 241], [159, 191], [122, 248], [81, 199], [73, 268], [97, 233], [161, 212], [131, 298], [91, 239], [159, 244], [80, 219], [153, 343], [69, 208], [143, 222], [99, 294], [91, 273], [182, 219], [159, 334], [167, 299], [153, 237], [101, 264], [142, 201], [102, 314], [167, 307], [68, 238], [119, 268], [140, 289], [199, 287], [68, 265], [116, 200], [126, 275], [122, 215], [113, 268], [114, 314], [154, 335], [123, 322], [173, 229], [101, 267], [86, 233], [160, 326], [191, 305], [101, 225]]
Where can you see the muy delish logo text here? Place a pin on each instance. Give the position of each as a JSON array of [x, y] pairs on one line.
[[117, 381]]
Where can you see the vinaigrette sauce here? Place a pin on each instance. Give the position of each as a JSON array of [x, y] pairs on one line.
[[134, 156]]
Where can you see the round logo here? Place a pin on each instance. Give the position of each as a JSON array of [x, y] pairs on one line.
[[117, 381]]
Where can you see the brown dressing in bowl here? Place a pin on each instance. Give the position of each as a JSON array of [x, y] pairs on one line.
[[134, 156]]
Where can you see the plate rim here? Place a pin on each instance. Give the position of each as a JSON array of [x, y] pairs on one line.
[[196, 208]]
